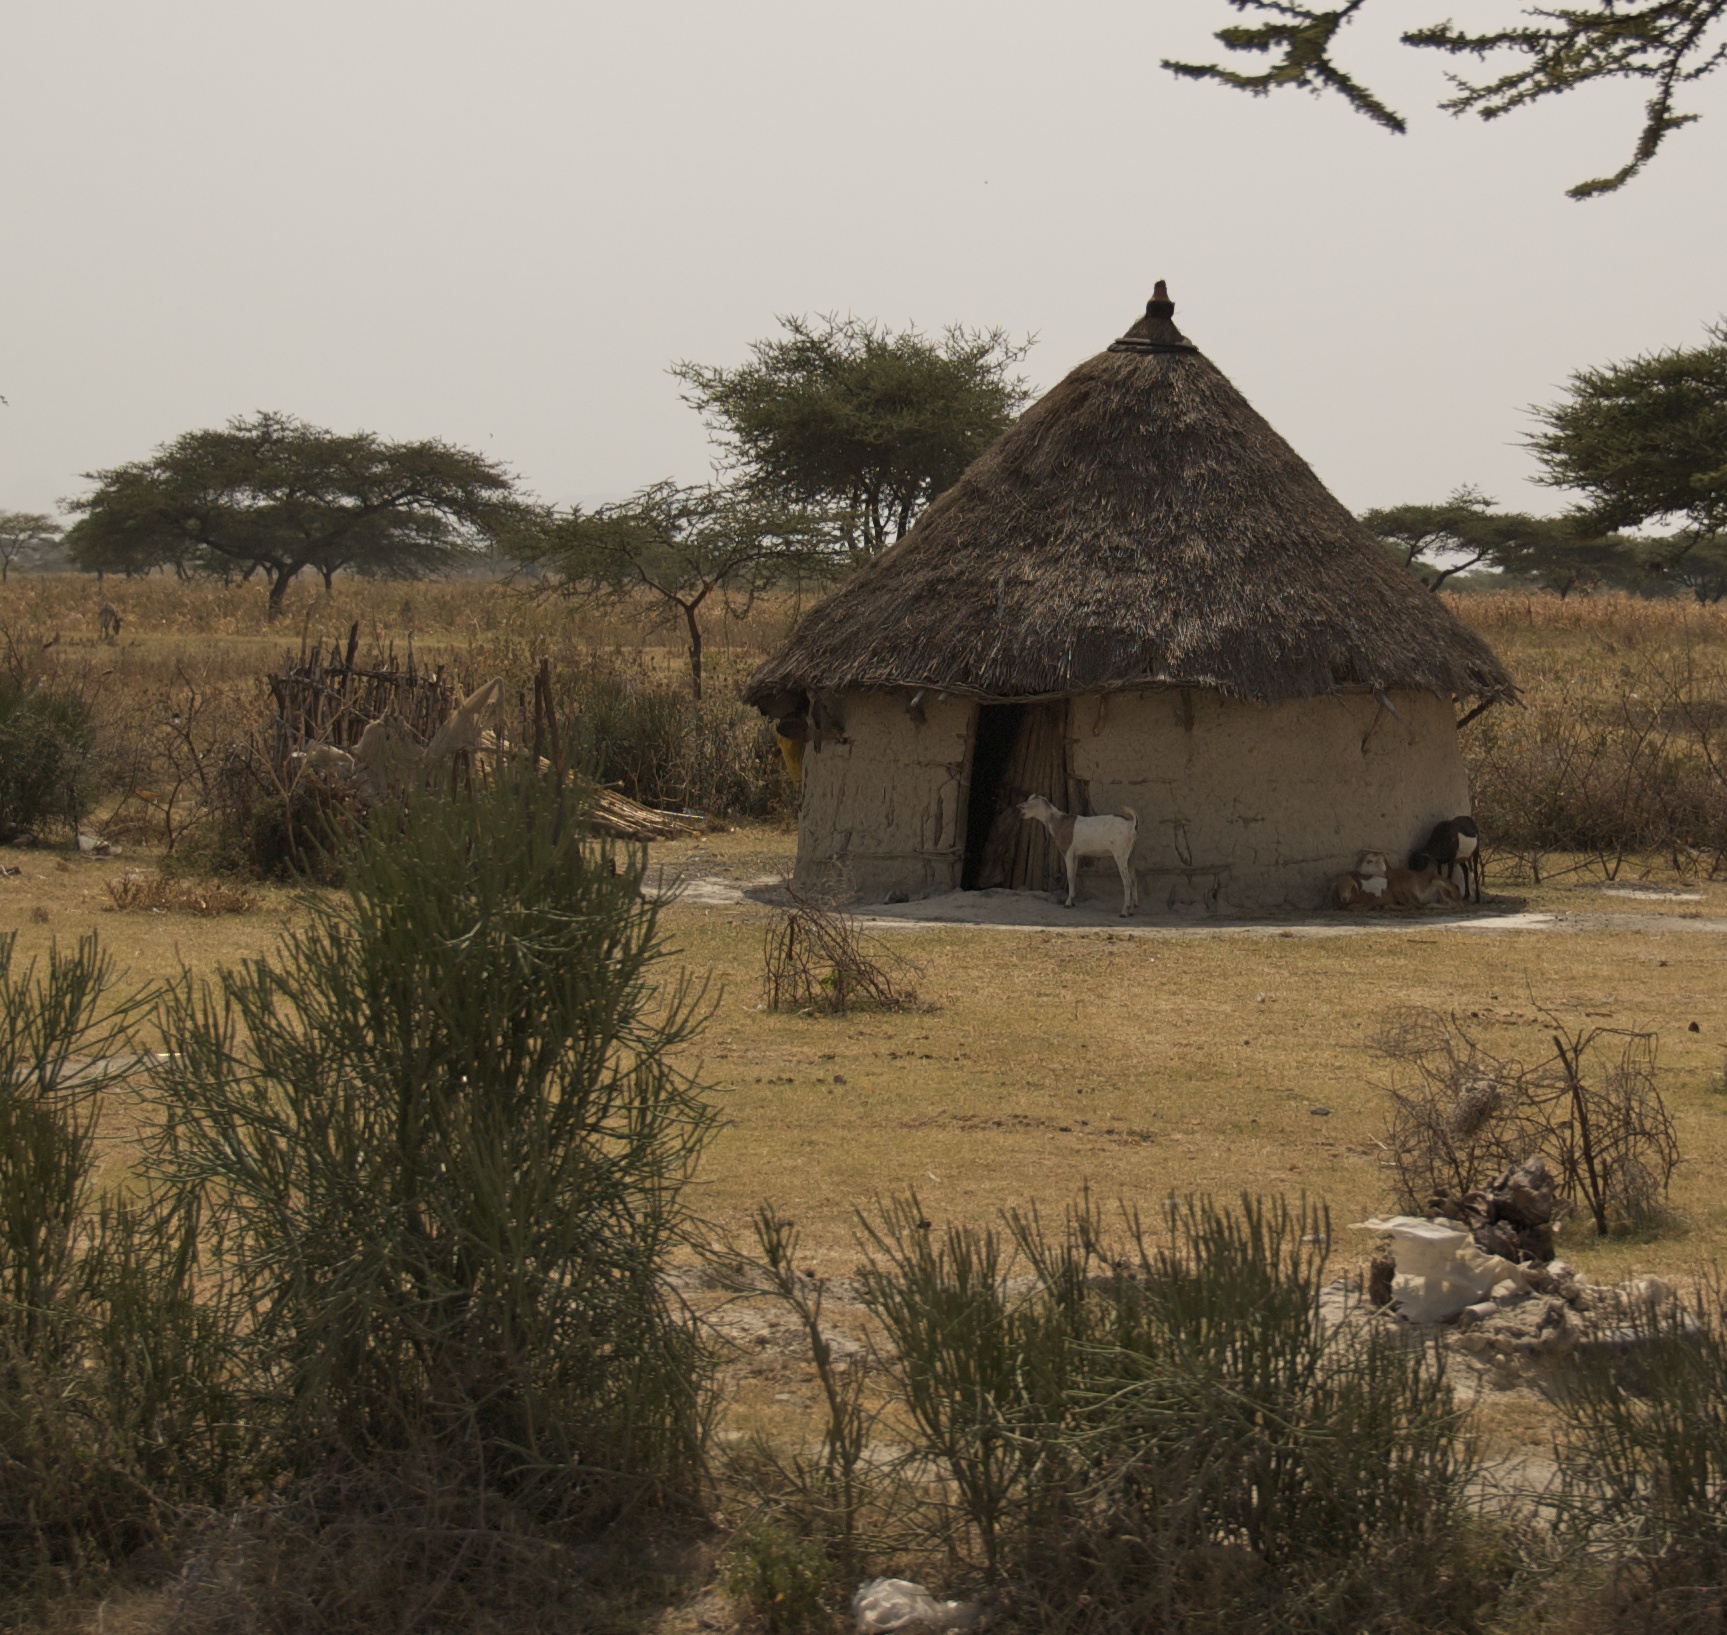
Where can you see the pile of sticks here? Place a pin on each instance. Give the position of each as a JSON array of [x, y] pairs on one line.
[[329, 695], [624, 819], [816, 959]]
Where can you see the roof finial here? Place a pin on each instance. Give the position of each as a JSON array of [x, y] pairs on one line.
[[1156, 331]]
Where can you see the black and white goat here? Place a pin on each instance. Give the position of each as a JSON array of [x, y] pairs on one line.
[[1454, 849]]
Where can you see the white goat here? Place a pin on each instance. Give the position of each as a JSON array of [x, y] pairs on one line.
[[1077, 837]]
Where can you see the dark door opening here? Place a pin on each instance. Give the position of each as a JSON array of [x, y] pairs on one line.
[[992, 752]]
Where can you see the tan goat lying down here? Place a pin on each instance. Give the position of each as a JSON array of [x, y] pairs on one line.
[[1077, 837], [1373, 883]]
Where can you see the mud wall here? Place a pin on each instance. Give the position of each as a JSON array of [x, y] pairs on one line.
[[884, 795], [1243, 808], [1246, 808]]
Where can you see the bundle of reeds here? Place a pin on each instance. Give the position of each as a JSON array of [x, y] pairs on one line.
[[624, 819]]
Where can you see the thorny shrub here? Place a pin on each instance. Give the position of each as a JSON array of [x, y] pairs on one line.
[[1460, 1117], [1618, 754], [1642, 1456]]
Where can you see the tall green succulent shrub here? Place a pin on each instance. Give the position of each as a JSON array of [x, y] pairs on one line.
[[441, 1137]]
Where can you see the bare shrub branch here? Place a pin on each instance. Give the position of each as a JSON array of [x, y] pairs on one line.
[[815, 958], [139, 893], [1605, 1125], [1460, 1117]]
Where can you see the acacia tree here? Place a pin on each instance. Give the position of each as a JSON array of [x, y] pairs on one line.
[[1468, 530], [1437, 542], [854, 416], [685, 545], [1664, 44], [1561, 555], [25, 536], [1646, 440], [273, 494], [1697, 565]]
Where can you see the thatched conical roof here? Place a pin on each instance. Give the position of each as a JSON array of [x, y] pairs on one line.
[[1140, 525]]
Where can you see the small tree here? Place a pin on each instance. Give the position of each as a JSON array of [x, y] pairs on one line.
[[852, 415], [25, 538], [272, 493], [686, 546]]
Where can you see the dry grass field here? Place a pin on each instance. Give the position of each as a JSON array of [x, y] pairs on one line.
[[1146, 1065], [1037, 1062]]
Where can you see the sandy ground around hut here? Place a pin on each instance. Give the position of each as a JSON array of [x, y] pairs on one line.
[[753, 865], [1001, 910]]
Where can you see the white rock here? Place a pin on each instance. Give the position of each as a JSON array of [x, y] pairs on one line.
[[1440, 1270]]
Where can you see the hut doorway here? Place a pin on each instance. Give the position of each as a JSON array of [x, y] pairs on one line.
[[1017, 750]]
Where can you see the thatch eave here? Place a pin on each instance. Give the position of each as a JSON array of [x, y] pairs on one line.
[[941, 691]]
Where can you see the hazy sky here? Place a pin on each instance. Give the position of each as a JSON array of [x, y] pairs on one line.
[[499, 223]]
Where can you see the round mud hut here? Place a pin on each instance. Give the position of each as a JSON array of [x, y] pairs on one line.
[[1139, 597]]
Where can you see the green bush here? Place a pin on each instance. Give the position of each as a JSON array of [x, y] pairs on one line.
[[441, 1143], [1139, 1435], [114, 1399], [632, 728], [257, 830], [779, 1578], [46, 737], [1643, 1460]]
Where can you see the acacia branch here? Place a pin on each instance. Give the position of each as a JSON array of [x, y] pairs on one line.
[[1305, 39], [1669, 42]]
